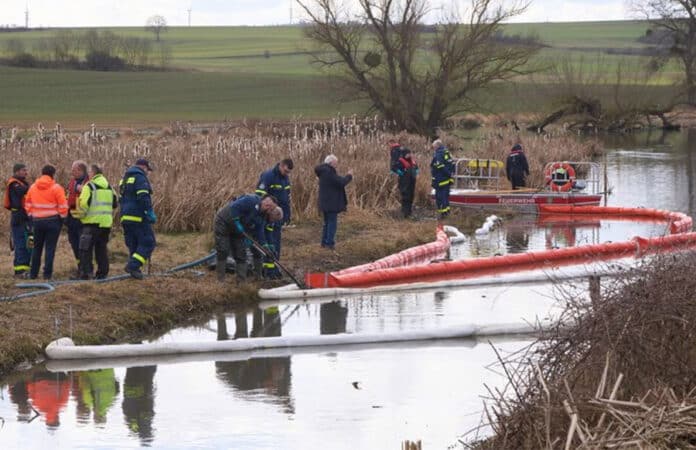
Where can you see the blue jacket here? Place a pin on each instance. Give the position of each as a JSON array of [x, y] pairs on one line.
[[247, 210], [136, 195], [332, 189], [442, 168], [271, 182]]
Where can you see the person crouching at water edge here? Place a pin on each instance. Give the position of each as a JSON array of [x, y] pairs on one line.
[[137, 216], [442, 169], [332, 198], [235, 224], [96, 206], [46, 206]]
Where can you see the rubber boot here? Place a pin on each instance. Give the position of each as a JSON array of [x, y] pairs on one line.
[[220, 268], [241, 269]]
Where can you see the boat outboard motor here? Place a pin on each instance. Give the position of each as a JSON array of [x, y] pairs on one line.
[[579, 185]]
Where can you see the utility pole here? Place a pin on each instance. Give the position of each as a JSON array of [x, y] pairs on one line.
[[189, 16], [26, 16], [291, 11]]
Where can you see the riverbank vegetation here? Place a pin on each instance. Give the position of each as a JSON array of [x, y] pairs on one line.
[[198, 172], [619, 372]]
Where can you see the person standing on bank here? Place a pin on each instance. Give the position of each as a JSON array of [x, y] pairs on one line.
[[137, 216], [248, 214], [407, 170], [332, 198], [442, 169], [516, 167], [276, 183], [96, 203], [15, 192], [78, 171], [46, 206]]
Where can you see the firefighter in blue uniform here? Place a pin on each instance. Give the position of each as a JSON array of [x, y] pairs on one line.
[[276, 182], [137, 216], [248, 215], [442, 169]]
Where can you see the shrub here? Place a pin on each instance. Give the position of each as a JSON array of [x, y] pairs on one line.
[[104, 62], [23, 60]]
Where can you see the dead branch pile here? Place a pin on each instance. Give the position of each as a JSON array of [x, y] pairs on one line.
[[622, 374]]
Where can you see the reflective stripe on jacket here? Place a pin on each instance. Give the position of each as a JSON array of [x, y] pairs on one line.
[[442, 168], [45, 199], [97, 202], [136, 195], [271, 182]]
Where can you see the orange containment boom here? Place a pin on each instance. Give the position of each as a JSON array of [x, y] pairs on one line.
[[678, 222], [369, 276]]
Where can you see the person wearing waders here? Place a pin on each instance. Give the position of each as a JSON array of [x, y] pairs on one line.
[[276, 183], [516, 167], [15, 191], [96, 204], [407, 170], [442, 169], [46, 206], [78, 171], [137, 216], [248, 215]]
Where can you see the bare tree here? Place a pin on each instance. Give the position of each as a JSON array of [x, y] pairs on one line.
[[677, 20], [416, 75], [156, 24]]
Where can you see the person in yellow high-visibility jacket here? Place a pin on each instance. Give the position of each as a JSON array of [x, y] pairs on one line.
[[96, 208]]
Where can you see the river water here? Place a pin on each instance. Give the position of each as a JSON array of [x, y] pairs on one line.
[[366, 397]]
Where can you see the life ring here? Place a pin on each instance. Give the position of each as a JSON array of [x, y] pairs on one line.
[[559, 185]]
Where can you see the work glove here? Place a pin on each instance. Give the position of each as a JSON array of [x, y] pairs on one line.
[[151, 216], [400, 172], [416, 171], [247, 243], [269, 247], [238, 226]]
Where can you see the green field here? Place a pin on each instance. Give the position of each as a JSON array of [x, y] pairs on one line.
[[252, 72]]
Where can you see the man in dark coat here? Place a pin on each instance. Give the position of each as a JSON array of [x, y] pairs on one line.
[[407, 170], [516, 167], [332, 197]]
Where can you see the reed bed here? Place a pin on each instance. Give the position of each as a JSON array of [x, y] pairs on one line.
[[620, 373], [199, 170]]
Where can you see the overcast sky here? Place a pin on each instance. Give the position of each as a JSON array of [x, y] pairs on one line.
[[91, 13]]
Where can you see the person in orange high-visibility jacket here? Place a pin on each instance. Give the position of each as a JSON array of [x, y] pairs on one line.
[[46, 206]]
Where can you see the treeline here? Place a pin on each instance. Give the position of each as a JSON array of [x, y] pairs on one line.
[[91, 50]]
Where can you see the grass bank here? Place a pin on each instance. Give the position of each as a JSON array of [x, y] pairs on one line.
[[128, 311]]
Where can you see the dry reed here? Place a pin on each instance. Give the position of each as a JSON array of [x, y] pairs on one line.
[[199, 171], [620, 374]]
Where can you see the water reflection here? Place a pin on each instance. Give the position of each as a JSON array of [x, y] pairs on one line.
[[332, 318], [268, 375], [139, 401], [48, 394], [95, 391]]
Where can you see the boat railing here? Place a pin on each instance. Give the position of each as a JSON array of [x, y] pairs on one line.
[[476, 173]]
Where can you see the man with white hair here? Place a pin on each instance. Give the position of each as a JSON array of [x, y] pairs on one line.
[[245, 216], [332, 198], [442, 169]]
